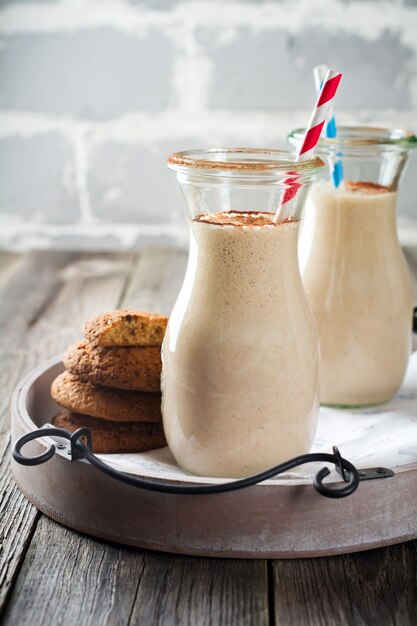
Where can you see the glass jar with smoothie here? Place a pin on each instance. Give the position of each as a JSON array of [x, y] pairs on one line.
[[354, 271], [240, 356]]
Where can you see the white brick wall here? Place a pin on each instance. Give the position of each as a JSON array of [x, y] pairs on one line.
[[95, 94]]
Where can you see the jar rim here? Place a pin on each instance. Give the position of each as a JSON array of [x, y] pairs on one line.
[[356, 136], [241, 160]]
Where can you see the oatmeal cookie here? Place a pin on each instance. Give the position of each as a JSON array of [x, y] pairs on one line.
[[126, 327], [133, 368], [105, 402], [114, 437]]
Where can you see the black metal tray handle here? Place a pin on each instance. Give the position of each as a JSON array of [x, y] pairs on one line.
[[77, 449]]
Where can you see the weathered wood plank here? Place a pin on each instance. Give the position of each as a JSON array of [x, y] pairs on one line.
[[184, 590], [17, 523], [70, 579], [88, 285], [27, 285], [156, 279], [43, 305], [67, 578], [8, 265], [375, 587]]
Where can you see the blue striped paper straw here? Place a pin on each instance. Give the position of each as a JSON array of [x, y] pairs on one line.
[[331, 129]]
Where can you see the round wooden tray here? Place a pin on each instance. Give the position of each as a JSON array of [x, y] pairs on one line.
[[281, 518]]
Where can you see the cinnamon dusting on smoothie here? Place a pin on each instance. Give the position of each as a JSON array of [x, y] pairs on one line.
[[240, 218], [365, 187]]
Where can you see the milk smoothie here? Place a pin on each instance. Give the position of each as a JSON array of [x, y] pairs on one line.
[[240, 357], [358, 286], [353, 268]]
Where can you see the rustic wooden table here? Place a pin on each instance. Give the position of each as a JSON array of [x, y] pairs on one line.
[[50, 575]]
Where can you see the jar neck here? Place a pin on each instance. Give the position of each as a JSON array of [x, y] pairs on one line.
[[218, 180], [384, 169], [364, 154], [212, 194]]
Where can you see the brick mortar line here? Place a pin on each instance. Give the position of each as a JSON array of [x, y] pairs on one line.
[[151, 128], [127, 232], [80, 160]]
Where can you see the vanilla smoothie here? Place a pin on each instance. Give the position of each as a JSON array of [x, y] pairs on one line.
[[358, 286], [240, 356]]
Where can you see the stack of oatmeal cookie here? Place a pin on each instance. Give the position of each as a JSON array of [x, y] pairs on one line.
[[112, 382]]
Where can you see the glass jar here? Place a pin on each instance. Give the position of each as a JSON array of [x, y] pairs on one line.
[[240, 355], [353, 269]]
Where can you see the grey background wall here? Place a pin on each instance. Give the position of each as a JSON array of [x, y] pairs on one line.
[[95, 94]]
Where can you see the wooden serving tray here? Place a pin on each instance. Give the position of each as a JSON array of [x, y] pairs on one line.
[[281, 518]]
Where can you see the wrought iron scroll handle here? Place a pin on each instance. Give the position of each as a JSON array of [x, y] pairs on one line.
[[80, 444]]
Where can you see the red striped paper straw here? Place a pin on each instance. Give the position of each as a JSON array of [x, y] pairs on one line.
[[311, 137]]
